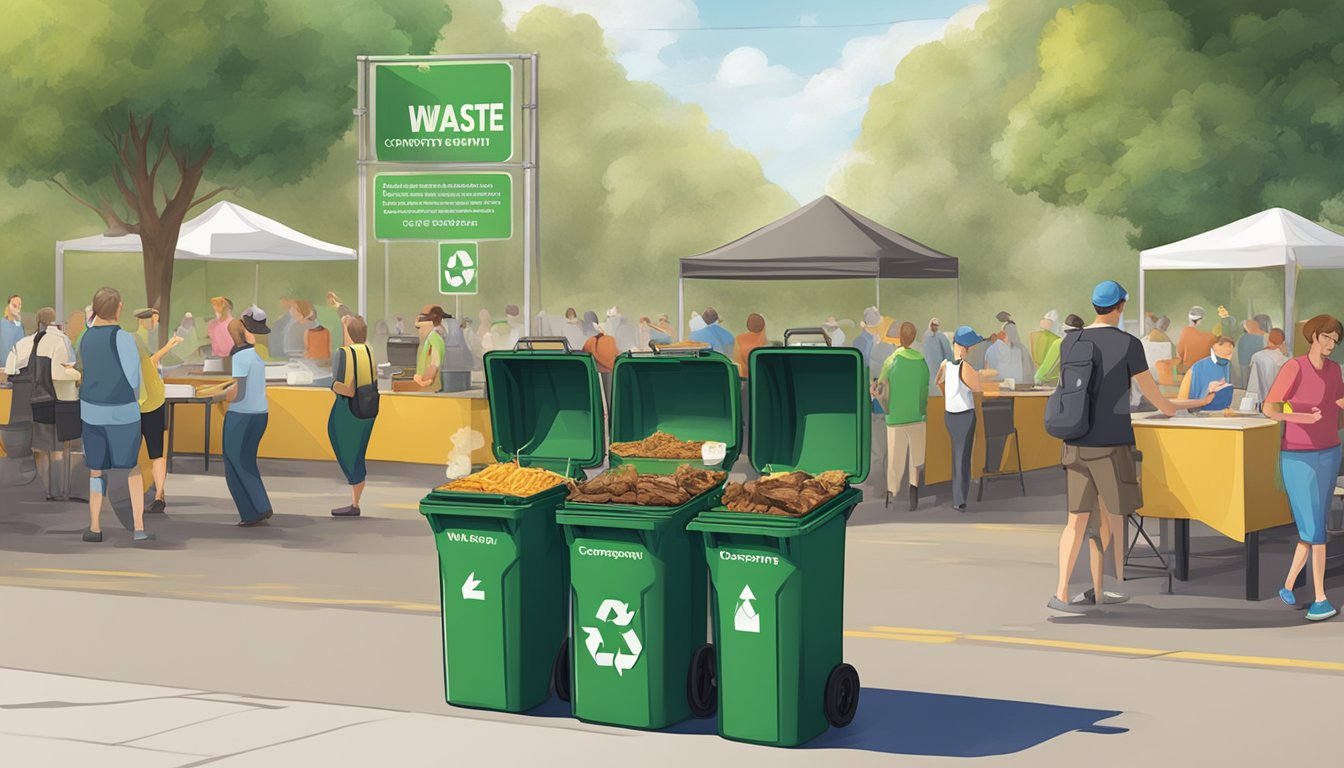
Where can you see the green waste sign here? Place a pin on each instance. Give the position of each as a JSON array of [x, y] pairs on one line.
[[459, 274], [443, 206], [443, 112]]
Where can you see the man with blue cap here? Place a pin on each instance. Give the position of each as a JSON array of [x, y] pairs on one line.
[[959, 382], [1101, 463]]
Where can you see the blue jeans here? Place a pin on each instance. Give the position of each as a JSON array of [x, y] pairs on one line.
[[242, 438], [1309, 479]]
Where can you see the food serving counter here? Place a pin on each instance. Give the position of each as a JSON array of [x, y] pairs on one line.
[[1219, 470]]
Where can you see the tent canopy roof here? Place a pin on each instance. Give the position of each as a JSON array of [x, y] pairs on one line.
[[1272, 238], [823, 240], [227, 232]]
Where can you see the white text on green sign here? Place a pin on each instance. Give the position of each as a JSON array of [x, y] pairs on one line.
[[443, 206], [439, 112]]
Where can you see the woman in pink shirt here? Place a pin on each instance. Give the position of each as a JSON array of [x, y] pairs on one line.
[[221, 344], [1312, 387]]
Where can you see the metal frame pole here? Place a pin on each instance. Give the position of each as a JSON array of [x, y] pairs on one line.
[[60, 284], [681, 307], [361, 133], [531, 200]]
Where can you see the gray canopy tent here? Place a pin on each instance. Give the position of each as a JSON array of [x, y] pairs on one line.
[[823, 240]]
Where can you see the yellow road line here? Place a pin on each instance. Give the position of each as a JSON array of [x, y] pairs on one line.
[[1018, 528], [1067, 645], [79, 572], [914, 631], [400, 505], [929, 639], [342, 601], [943, 637], [906, 543], [1259, 661]]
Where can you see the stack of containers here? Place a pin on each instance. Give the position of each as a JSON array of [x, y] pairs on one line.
[[778, 582], [503, 565], [639, 581]]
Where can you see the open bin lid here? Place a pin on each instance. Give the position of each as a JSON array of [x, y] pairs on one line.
[[694, 394], [545, 406], [810, 408]]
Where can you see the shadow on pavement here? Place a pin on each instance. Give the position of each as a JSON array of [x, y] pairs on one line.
[[916, 723], [1148, 617]]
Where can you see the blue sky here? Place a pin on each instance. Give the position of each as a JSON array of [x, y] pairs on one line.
[[794, 96]]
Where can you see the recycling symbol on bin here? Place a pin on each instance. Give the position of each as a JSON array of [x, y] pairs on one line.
[[460, 269], [618, 613]]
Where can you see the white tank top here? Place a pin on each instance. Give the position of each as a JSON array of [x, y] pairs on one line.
[[957, 397]]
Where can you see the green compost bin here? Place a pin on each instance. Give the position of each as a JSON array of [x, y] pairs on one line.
[[503, 565], [779, 582], [639, 585]]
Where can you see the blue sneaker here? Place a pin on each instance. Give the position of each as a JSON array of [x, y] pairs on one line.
[[1286, 595], [1320, 611]]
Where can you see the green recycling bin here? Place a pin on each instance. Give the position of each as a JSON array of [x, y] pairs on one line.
[[639, 586], [503, 564], [779, 582]]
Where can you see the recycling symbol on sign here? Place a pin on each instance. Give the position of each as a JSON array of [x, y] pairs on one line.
[[460, 269], [618, 613]]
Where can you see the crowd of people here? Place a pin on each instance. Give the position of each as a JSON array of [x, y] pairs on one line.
[[102, 385]]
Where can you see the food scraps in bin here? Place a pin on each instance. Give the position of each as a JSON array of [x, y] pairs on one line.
[[624, 485], [787, 494], [659, 445], [506, 479]]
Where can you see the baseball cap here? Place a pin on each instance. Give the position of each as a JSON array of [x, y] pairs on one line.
[[1108, 293], [1196, 313], [1003, 317], [144, 313], [967, 337], [871, 316], [254, 320], [1052, 316]]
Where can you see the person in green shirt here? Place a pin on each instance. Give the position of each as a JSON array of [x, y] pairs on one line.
[[430, 359], [906, 377], [1048, 372], [1042, 340]]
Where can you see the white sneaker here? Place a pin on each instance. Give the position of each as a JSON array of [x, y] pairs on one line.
[[1108, 597]]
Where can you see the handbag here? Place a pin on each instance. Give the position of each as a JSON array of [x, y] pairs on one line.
[[882, 392], [38, 370], [364, 405], [69, 425]]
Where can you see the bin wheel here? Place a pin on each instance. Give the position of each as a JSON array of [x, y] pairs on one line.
[[561, 674], [842, 695], [702, 683]]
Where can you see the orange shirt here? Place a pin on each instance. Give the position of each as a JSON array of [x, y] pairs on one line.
[[603, 349], [1195, 345], [742, 349]]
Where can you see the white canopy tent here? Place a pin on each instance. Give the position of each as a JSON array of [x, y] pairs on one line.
[[1272, 238], [224, 232]]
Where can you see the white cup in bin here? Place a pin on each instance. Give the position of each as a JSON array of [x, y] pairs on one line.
[[713, 453]]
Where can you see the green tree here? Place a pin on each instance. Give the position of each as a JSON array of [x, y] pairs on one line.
[[1183, 116], [126, 106]]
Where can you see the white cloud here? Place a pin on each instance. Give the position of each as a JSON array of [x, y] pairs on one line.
[[749, 66], [626, 25], [965, 18]]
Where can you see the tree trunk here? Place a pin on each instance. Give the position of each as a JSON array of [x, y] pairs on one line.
[[159, 256]]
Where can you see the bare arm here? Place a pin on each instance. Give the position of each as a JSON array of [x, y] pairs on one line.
[[1278, 395], [157, 357], [971, 378], [941, 381], [1148, 386]]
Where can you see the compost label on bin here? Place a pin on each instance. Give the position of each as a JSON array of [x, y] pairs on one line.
[[471, 588], [746, 619], [617, 613]]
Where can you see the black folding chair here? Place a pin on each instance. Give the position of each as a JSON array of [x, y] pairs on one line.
[[997, 413]]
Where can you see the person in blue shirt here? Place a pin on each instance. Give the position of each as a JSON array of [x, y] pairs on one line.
[[865, 341], [719, 339], [109, 406], [11, 325], [1215, 367], [245, 421]]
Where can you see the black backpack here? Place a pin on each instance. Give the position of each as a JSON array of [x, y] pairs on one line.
[[364, 405], [1068, 411]]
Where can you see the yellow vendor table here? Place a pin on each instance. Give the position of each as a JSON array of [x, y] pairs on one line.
[[1221, 471], [415, 428], [1039, 449]]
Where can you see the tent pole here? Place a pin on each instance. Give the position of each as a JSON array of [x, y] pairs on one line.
[[1143, 314], [681, 306], [877, 285], [958, 321], [256, 284], [387, 285], [362, 179], [60, 283]]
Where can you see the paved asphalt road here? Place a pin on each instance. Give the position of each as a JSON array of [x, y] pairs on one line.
[[944, 618]]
